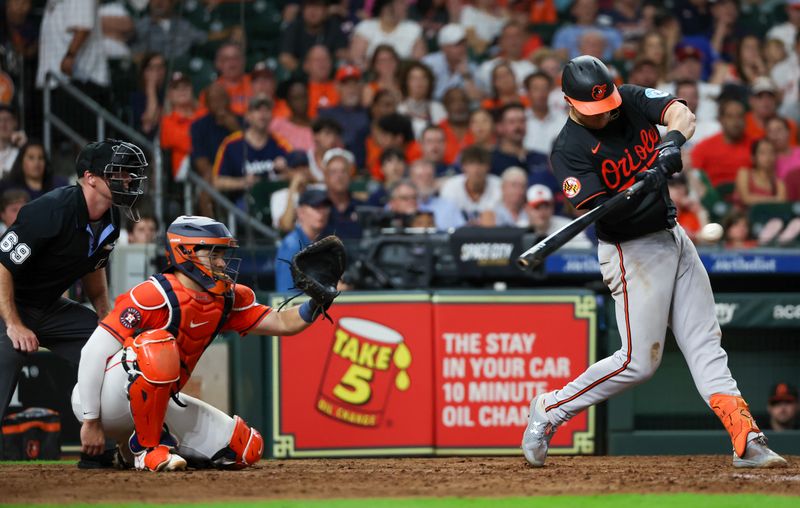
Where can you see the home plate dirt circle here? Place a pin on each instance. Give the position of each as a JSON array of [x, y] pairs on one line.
[[395, 477]]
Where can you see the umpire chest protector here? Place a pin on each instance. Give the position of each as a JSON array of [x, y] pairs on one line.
[[194, 317]]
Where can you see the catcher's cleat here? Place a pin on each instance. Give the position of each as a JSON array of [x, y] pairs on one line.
[[758, 455], [159, 458], [536, 439]]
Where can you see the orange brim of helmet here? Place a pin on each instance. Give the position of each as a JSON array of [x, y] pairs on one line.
[[598, 107]]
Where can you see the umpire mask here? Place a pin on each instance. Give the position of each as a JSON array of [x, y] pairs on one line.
[[125, 177]]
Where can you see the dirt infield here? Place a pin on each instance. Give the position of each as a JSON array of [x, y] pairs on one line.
[[433, 477]]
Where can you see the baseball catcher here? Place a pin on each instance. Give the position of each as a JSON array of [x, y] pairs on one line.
[[135, 363]]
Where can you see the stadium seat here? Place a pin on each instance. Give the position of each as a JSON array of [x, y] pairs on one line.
[[259, 196], [760, 214], [725, 191]]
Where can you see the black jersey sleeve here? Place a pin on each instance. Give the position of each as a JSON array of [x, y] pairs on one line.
[[579, 181], [27, 238], [651, 101]]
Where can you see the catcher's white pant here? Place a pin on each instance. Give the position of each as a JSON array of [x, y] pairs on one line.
[[656, 281], [200, 429]]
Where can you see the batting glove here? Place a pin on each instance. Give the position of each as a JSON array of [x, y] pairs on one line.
[[669, 157], [654, 178]]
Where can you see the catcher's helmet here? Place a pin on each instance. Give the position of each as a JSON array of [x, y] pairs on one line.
[[188, 234], [121, 164], [589, 87]]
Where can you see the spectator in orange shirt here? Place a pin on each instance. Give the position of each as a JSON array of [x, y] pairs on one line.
[[230, 66], [763, 106], [391, 131], [322, 91], [183, 110], [722, 155], [456, 126], [504, 89]]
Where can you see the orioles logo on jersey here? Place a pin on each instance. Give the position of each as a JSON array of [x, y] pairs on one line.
[[599, 92], [571, 187]]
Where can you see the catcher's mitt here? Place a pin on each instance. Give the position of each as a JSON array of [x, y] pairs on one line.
[[316, 271]]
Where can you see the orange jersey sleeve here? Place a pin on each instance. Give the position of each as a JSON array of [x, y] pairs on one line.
[[141, 308], [246, 312]]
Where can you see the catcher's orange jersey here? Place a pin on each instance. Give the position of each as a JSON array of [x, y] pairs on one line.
[[162, 302]]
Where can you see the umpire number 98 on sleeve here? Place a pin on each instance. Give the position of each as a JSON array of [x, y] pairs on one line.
[[18, 252]]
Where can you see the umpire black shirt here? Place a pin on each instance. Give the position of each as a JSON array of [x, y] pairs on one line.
[[53, 244]]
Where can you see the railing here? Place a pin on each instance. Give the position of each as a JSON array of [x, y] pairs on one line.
[[193, 181]]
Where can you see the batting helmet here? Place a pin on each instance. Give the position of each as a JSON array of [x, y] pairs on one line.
[[589, 87], [189, 234]]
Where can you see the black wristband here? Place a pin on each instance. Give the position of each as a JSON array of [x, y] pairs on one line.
[[675, 136]]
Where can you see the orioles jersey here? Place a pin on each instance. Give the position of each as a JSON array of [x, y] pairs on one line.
[[191, 316], [594, 165]]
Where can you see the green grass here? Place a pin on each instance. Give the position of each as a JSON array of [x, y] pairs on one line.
[[606, 501], [37, 462]]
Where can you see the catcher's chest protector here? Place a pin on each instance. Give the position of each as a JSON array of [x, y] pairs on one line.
[[195, 319]]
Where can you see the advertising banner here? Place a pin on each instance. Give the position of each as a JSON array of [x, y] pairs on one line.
[[358, 386], [494, 353]]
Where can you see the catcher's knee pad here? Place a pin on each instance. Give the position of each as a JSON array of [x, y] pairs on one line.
[[155, 369], [732, 410], [244, 448]]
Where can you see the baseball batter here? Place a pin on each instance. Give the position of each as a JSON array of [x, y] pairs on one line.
[[650, 266], [135, 363]]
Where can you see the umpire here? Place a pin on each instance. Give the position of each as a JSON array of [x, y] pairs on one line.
[[60, 238]]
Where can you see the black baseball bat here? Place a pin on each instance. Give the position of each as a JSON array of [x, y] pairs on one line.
[[534, 256]]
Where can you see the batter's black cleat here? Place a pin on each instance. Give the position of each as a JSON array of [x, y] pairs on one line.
[[105, 460]]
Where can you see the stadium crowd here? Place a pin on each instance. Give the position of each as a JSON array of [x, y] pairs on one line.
[[440, 111]]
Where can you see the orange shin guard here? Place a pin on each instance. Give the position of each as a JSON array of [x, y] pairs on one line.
[[247, 443], [735, 416]]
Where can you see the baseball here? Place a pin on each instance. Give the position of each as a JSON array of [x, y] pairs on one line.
[[711, 232]]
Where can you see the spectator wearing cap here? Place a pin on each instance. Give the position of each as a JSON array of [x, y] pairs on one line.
[[327, 135], [263, 82], [175, 125], [451, 65], [475, 190], [393, 167], [351, 116], [446, 215], [511, 44], [246, 157], [585, 16], [338, 164], [542, 123], [207, 134], [163, 30], [283, 202], [322, 91], [416, 85], [722, 155], [689, 67], [764, 102], [388, 25], [787, 31], [510, 212], [314, 27], [296, 127], [11, 201], [510, 149], [10, 138], [542, 220], [455, 127], [31, 172], [313, 212], [390, 131], [782, 408]]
